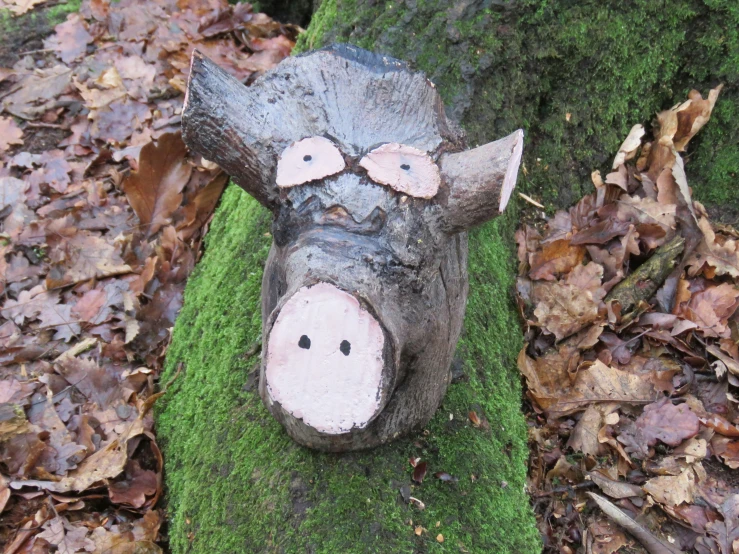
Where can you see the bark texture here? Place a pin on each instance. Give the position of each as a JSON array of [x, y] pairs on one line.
[[236, 482], [399, 250], [574, 76]]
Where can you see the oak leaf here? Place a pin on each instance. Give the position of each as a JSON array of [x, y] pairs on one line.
[[668, 423], [672, 490], [10, 133], [555, 259], [155, 190], [711, 309], [563, 308], [81, 257], [70, 40], [554, 389], [721, 255]]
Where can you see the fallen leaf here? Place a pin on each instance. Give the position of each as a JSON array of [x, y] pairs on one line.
[[10, 133], [155, 190], [549, 384], [711, 309], [81, 257], [628, 148], [106, 463], [419, 472], [672, 490], [615, 489], [37, 91], [667, 422], [563, 308], [555, 259], [70, 39], [66, 537]]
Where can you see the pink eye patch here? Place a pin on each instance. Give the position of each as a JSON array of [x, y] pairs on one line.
[[308, 160], [403, 168]]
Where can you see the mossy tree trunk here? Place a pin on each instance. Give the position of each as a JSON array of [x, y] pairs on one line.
[[576, 76]]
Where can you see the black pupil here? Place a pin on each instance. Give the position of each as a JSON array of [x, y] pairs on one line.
[[307, 158], [345, 347], [304, 342], [405, 167]]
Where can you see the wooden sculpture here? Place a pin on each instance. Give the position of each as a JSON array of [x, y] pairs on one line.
[[372, 192]]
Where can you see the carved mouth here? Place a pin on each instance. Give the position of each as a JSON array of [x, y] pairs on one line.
[[325, 360]]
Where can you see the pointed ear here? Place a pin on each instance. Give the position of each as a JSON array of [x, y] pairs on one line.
[[479, 182], [223, 121]]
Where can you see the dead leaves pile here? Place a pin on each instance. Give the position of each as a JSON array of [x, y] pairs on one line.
[[102, 215], [632, 360]]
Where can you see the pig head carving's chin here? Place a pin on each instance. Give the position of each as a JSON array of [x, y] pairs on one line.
[[325, 360]]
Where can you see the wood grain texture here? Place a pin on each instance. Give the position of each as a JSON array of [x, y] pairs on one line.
[[403, 258]]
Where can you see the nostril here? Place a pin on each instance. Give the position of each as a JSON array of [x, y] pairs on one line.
[[304, 342], [307, 158], [345, 347], [405, 167]]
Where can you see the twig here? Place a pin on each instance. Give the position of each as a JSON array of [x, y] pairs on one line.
[[568, 488], [652, 544], [531, 200]]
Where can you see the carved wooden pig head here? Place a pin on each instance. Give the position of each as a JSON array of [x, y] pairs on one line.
[[372, 191]]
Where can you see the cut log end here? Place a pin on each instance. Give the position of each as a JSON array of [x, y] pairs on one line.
[[403, 168], [324, 361], [511, 175], [480, 181], [308, 160]]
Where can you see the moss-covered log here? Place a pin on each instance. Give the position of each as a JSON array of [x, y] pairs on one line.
[[576, 77], [237, 483]]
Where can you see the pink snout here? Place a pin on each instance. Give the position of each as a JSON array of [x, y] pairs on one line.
[[325, 360]]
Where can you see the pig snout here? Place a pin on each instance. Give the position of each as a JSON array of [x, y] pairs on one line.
[[324, 360]]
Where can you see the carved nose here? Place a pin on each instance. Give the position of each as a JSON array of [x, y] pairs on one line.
[[324, 361]]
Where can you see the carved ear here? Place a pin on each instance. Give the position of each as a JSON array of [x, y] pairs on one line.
[[225, 122], [480, 182]]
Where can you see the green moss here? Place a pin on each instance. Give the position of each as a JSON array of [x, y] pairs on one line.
[[237, 483], [59, 12], [529, 64]]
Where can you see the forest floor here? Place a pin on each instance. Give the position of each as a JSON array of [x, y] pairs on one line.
[[631, 385]]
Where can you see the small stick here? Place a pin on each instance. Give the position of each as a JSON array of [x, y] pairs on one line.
[[652, 544], [531, 200]]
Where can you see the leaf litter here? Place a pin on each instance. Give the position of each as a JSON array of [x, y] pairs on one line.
[[102, 216], [631, 304]]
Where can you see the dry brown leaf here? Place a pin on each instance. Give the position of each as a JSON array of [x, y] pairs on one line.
[[12, 191], [10, 133], [615, 489], [584, 437], [692, 115], [668, 423], [711, 309], [631, 143], [563, 308], [555, 259], [107, 463], [672, 490], [19, 7], [83, 256], [722, 256], [155, 190], [70, 40], [66, 537], [549, 383], [38, 91]]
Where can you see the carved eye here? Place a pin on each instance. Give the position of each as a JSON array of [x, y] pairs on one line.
[[345, 347], [308, 160], [404, 168]]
